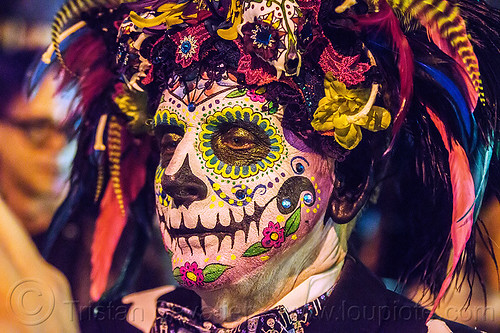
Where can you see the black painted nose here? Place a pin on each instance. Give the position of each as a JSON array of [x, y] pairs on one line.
[[183, 186]]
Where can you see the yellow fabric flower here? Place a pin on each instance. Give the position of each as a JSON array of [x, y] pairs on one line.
[[339, 112], [171, 14], [134, 105], [235, 16]]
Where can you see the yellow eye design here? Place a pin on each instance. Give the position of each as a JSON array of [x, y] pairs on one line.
[[238, 143]]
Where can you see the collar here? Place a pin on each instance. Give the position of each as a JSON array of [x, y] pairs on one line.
[[311, 289]]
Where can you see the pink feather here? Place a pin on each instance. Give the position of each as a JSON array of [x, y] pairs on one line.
[[463, 202], [387, 23], [110, 223], [444, 46]]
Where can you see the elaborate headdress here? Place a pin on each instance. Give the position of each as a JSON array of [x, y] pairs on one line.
[[343, 71]]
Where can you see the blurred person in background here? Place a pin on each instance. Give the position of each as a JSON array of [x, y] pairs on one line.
[[33, 167], [37, 295]]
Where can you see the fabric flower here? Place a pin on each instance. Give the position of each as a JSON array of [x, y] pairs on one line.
[[339, 111], [191, 275], [134, 105], [262, 39], [256, 71], [346, 69], [188, 44], [273, 235]]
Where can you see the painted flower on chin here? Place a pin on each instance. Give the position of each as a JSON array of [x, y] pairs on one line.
[[191, 275], [273, 235]]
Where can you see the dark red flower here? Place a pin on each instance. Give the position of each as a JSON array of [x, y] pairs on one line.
[[262, 39]]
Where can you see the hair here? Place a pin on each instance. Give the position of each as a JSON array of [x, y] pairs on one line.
[[421, 84], [14, 67]]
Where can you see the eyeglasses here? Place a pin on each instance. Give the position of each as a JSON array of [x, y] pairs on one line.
[[39, 131]]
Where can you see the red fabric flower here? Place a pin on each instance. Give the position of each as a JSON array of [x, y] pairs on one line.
[[345, 69], [188, 44], [256, 70], [273, 235], [191, 275]]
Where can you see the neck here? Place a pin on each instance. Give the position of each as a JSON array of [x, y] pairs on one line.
[[320, 251], [34, 212]]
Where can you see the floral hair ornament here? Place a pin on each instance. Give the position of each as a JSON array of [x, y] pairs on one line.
[[343, 111], [133, 104], [188, 44], [269, 30]]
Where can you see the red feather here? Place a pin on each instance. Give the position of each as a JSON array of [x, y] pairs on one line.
[[463, 202], [88, 58], [110, 223], [385, 22]]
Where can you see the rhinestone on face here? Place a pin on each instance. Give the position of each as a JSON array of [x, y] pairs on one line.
[[286, 203], [308, 198], [299, 168], [240, 194], [191, 107]]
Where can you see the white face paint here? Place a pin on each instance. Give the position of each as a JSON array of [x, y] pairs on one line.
[[232, 192]]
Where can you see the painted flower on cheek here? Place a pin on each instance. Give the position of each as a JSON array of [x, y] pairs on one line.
[[191, 274], [273, 235]]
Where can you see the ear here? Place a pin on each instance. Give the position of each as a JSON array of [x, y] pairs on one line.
[[352, 186]]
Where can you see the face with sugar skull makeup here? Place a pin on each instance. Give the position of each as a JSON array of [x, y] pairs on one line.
[[234, 189]]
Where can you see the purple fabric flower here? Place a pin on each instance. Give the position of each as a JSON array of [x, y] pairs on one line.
[[273, 235], [262, 39], [192, 275]]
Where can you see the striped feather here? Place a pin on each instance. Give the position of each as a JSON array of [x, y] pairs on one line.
[[127, 178], [70, 11], [447, 30]]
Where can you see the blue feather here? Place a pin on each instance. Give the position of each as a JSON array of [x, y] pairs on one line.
[[464, 114], [479, 165]]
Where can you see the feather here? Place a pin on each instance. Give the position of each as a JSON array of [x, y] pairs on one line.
[[384, 21], [111, 220], [109, 226], [68, 12], [463, 202], [446, 28], [480, 163], [88, 57], [464, 115]]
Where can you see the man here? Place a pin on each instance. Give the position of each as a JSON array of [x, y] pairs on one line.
[[37, 297], [271, 120], [38, 144]]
